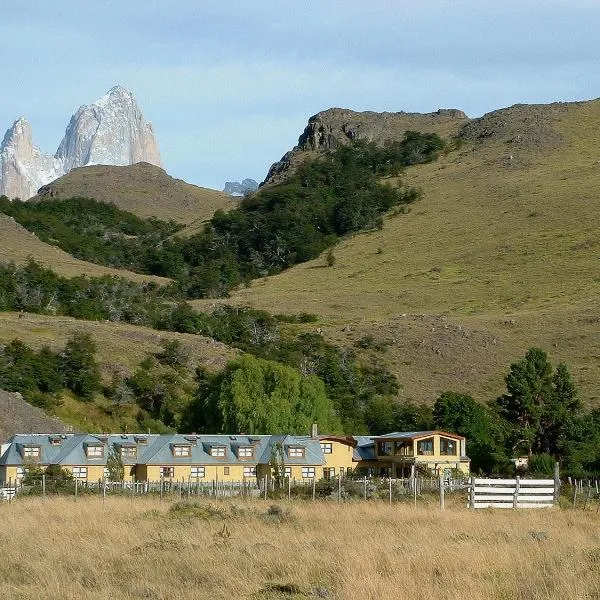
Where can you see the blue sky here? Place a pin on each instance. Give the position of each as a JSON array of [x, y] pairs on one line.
[[230, 85]]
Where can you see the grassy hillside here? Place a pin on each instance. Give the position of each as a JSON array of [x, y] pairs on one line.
[[143, 189], [18, 245], [142, 548], [500, 254]]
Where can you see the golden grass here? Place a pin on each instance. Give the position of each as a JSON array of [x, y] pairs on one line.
[[135, 548], [493, 240]]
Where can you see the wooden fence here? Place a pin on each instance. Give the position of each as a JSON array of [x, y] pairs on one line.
[[512, 493]]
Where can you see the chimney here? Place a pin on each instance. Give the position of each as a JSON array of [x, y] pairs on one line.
[[314, 431]]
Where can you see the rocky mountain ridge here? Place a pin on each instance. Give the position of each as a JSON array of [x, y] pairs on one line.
[[110, 131], [337, 126]]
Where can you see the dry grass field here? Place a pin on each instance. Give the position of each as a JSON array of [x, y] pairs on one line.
[[502, 253], [130, 549]]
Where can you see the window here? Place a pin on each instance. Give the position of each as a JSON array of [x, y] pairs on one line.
[[308, 472], [182, 450], [296, 452], [80, 472], [106, 473], [328, 472], [94, 451], [143, 441], [425, 447], [31, 452], [198, 472], [249, 471], [385, 448], [246, 451], [225, 470], [327, 447], [128, 451], [55, 441], [21, 472], [167, 471], [218, 451], [447, 447], [287, 471]]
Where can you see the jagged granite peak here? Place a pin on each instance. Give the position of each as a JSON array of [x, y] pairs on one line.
[[335, 126], [23, 166], [239, 188], [110, 131]]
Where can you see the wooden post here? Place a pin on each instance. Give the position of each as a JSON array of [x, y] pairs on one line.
[[365, 488], [517, 488], [161, 489], [471, 492], [103, 491], [75, 489], [589, 494], [9, 490], [43, 485], [340, 488], [574, 494], [442, 493], [390, 482], [556, 482], [314, 490], [266, 487], [289, 488]]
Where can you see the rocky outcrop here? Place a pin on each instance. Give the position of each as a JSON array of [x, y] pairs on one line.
[[335, 126], [111, 131], [237, 188], [17, 416]]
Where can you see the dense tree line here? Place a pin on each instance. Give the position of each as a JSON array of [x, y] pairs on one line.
[[272, 229]]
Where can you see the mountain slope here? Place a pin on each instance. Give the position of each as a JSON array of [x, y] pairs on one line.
[[19, 245], [143, 189], [504, 245]]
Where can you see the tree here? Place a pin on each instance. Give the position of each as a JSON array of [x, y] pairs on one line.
[[114, 465], [538, 404], [255, 396], [80, 369], [459, 413]]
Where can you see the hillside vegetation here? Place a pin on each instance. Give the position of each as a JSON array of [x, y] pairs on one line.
[[501, 253], [142, 189]]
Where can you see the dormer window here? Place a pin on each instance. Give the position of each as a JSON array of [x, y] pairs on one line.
[[181, 450], [296, 452], [218, 451], [94, 451], [246, 452], [143, 441], [128, 452], [55, 440], [32, 452]]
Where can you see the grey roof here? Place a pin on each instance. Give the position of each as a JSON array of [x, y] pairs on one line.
[[365, 448], [409, 435]]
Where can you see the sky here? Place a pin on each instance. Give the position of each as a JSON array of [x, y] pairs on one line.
[[229, 85]]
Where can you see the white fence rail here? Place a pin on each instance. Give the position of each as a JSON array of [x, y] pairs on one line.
[[512, 493]]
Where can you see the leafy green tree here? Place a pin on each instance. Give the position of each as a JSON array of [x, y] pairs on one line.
[[114, 465], [80, 369], [260, 396], [459, 413]]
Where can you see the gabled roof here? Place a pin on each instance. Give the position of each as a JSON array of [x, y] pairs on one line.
[[313, 455], [415, 435], [365, 448]]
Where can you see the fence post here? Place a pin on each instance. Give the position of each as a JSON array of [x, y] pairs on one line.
[[556, 481], [471, 492], [390, 482], [266, 486], [75, 489], [161, 489], [442, 493], [339, 488], [289, 488], [517, 488], [10, 490], [43, 485], [575, 494], [314, 491], [103, 490], [365, 487]]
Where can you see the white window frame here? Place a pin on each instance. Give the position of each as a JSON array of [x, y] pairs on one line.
[[182, 450], [79, 472], [31, 451], [296, 452], [218, 451], [106, 473], [308, 472], [287, 472], [249, 471], [128, 452], [327, 447], [198, 472], [94, 451], [21, 472], [246, 452], [165, 470]]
